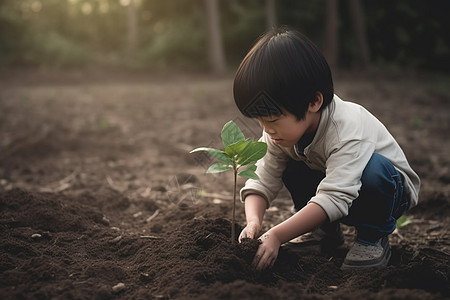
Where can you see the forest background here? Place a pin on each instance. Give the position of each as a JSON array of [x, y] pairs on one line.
[[214, 35]]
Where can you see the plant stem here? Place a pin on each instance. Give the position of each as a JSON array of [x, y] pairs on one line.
[[233, 234]]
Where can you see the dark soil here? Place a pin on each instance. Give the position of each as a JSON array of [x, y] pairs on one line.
[[99, 198]]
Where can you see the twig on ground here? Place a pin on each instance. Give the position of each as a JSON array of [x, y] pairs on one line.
[[149, 219], [114, 186], [217, 196], [151, 237], [60, 185], [398, 234]]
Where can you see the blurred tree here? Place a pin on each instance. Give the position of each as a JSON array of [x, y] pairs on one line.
[[132, 31], [271, 14], [173, 33], [12, 34], [410, 34], [242, 23], [331, 48], [215, 45], [360, 32]]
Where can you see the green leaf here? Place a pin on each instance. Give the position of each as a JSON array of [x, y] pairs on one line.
[[231, 134], [403, 221], [235, 149], [252, 153], [220, 155], [249, 173], [218, 168], [238, 148]]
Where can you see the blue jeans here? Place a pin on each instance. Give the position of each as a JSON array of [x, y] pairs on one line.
[[380, 203]]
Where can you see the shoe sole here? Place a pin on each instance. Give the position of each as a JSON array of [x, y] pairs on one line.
[[361, 266]]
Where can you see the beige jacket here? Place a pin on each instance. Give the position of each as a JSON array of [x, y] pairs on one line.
[[346, 138]]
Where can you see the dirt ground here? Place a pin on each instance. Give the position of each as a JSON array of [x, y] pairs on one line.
[[99, 198]]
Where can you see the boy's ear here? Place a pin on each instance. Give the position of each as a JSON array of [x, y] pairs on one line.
[[316, 104]]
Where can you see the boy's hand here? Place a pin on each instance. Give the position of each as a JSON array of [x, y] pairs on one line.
[[250, 231], [267, 252]]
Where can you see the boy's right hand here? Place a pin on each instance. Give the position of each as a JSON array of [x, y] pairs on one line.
[[250, 231]]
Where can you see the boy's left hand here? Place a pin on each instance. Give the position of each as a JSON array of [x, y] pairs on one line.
[[267, 252]]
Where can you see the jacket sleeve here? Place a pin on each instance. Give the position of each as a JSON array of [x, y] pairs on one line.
[[342, 181], [269, 170]]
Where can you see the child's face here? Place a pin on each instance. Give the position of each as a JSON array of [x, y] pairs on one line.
[[285, 130]]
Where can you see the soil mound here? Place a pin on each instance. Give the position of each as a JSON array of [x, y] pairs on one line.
[[53, 245], [47, 212]]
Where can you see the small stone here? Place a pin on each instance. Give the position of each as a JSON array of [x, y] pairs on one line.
[[116, 239], [138, 214], [118, 287], [333, 287], [105, 221]]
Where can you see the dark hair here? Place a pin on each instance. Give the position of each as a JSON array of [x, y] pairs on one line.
[[284, 69]]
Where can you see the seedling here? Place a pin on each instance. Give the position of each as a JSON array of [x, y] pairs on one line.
[[403, 221], [239, 152]]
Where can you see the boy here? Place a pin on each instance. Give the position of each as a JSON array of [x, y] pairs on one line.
[[339, 163]]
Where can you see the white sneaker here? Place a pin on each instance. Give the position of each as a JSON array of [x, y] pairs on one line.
[[363, 255]]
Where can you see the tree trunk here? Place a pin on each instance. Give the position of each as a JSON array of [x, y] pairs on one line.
[[271, 14], [233, 216], [132, 31], [360, 32], [331, 51], [215, 46]]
